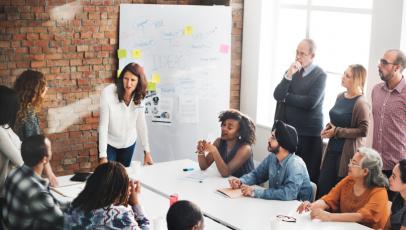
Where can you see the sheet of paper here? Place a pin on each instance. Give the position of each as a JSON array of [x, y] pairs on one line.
[[188, 109], [137, 54], [121, 53], [197, 176], [188, 30]]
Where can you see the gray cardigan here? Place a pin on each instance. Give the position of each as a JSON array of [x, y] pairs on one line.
[[355, 136]]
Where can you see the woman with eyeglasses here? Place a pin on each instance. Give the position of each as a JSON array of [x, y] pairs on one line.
[[122, 117], [397, 183], [360, 197], [232, 152], [347, 129], [31, 87]]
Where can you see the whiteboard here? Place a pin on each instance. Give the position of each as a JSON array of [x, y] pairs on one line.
[[185, 52]]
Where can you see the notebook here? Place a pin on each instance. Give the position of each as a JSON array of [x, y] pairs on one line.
[[230, 193]]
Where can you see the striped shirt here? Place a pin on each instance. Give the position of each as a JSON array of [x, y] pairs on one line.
[[389, 113]]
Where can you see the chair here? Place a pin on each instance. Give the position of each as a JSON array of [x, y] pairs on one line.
[[314, 188]]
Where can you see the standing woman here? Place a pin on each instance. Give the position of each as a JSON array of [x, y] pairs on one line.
[[10, 144], [232, 152], [31, 88], [122, 117], [348, 127], [397, 183]]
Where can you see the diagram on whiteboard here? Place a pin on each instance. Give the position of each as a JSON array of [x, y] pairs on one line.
[[187, 64]]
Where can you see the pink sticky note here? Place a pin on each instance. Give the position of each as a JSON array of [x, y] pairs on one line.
[[224, 48]]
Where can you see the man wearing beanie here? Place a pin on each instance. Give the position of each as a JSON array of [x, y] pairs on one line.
[[286, 173]]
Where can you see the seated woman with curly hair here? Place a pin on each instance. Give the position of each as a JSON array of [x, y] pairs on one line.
[[232, 152]]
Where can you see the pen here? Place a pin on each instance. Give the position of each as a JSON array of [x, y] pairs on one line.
[[187, 169]]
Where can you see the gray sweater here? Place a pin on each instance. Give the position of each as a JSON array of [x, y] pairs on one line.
[[303, 98]]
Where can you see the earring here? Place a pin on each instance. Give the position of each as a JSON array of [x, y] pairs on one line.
[[239, 137]]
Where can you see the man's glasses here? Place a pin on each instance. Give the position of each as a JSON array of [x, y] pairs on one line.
[[286, 218], [301, 54], [385, 62]]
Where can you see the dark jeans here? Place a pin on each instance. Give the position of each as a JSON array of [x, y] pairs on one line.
[[391, 194], [309, 149], [123, 156], [328, 173]]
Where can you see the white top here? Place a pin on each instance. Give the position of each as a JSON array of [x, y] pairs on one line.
[[120, 124], [10, 154]]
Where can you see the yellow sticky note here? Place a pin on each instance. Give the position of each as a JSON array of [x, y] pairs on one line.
[[121, 53], [118, 73], [156, 78], [136, 54], [151, 86], [188, 30]]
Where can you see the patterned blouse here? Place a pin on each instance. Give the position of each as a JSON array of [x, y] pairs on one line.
[[29, 126], [113, 217]]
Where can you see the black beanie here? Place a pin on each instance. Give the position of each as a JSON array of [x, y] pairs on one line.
[[286, 136]]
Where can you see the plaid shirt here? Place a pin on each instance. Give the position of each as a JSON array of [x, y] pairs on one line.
[[29, 203], [389, 112]]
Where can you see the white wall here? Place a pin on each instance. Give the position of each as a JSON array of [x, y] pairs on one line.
[[386, 33]]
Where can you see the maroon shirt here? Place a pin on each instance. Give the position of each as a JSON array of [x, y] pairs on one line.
[[389, 113]]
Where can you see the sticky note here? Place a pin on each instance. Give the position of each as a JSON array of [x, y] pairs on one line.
[[118, 73], [224, 48], [156, 78], [121, 53], [188, 30], [151, 86], [137, 54]]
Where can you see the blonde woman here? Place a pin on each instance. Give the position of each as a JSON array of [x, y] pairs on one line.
[[347, 129]]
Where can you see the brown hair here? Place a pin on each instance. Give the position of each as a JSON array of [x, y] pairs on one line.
[[359, 75], [141, 88], [29, 87]]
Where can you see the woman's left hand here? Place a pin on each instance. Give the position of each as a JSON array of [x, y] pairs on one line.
[[329, 133], [148, 159], [320, 214]]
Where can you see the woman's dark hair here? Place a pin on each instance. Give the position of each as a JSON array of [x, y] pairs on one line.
[[108, 185], [29, 86], [9, 106], [247, 127], [183, 215], [402, 169], [33, 150], [141, 88]]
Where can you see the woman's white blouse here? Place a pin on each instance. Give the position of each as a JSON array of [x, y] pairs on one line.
[[120, 124]]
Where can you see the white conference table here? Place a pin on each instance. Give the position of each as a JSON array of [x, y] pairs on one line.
[[155, 205], [240, 213]]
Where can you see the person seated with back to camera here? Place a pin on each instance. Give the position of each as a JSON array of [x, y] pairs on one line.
[[360, 197], [232, 152], [184, 215], [285, 171], [103, 203], [29, 204]]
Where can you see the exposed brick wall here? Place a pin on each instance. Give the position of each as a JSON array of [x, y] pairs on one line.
[[74, 44]]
